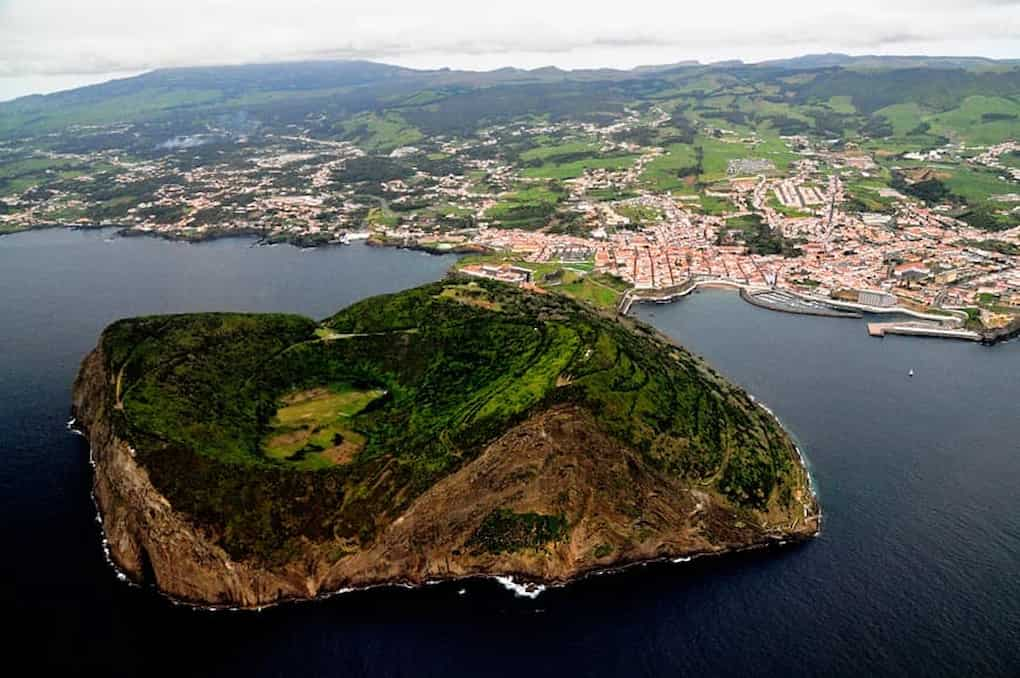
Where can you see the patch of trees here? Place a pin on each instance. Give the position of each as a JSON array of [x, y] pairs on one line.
[[560, 158], [597, 118], [456, 222], [567, 222], [439, 167], [682, 131], [931, 191], [986, 220], [695, 170], [923, 128], [105, 191], [506, 531], [537, 212], [210, 216], [642, 136], [37, 193], [878, 127], [830, 123], [239, 199], [213, 153], [410, 205], [759, 237], [93, 143], [732, 117], [483, 152], [165, 214], [787, 126], [937, 88], [373, 169], [999, 246]]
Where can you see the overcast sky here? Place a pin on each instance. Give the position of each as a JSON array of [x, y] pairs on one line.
[[47, 45]]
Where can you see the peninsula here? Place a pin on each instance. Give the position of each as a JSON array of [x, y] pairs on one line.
[[460, 429]]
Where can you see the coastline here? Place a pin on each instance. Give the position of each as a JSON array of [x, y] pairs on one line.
[[520, 584], [839, 308], [122, 231]]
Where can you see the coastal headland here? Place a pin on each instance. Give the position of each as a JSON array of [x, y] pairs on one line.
[[464, 428]]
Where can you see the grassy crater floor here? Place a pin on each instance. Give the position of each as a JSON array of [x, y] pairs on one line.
[[272, 432], [313, 428]]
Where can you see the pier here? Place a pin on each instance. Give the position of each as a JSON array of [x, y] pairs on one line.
[[917, 329]]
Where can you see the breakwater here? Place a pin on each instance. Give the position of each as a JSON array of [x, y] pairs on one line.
[[918, 329]]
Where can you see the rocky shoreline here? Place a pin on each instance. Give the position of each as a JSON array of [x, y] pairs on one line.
[[1002, 335], [151, 544]]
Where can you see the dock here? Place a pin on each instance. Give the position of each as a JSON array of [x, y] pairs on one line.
[[917, 329]]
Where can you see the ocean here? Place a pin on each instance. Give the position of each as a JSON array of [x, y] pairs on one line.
[[916, 571]]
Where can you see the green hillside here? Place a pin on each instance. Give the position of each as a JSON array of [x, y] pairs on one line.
[[270, 429]]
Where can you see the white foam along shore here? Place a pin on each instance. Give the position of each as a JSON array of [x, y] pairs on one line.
[[119, 573], [526, 590], [800, 455]]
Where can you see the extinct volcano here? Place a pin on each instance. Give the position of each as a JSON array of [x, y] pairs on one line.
[[463, 428]]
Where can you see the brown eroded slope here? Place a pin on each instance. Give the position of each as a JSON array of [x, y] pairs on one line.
[[620, 510]]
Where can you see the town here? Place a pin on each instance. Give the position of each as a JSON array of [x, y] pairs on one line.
[[822, 221]]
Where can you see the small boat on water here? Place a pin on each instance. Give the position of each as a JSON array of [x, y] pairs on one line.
[[910, 373]]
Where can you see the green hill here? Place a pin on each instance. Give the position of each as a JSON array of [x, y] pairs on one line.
[[272, 433]]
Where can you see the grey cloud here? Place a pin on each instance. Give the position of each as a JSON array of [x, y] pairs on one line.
[[58, 37]]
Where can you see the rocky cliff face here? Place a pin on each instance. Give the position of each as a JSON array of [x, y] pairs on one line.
[[620, 511], [148, 540]]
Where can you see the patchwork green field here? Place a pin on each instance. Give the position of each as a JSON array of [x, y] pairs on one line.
[[527, 207], [524, 139], [313, 428]]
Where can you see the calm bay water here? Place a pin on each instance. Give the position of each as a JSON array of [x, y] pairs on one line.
[[915, 573]]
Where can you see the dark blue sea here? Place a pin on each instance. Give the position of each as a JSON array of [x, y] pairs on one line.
[[915, 573]]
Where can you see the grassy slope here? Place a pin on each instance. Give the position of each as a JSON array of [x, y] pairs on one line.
[[969, 122], [573, 169], [528, 207], [381, 133]]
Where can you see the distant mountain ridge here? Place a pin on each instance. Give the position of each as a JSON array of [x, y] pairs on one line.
[[811, 61], [291, 91], [316, 73]]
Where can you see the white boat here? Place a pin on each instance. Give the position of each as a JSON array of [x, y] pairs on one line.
[[910, 373]]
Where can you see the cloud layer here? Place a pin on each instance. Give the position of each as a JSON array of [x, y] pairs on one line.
[[61, 37]]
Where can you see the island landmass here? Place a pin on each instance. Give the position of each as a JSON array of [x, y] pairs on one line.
[[465, 428]]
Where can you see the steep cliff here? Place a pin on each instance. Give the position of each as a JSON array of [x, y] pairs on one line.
[[552, 490], [147, 539]]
